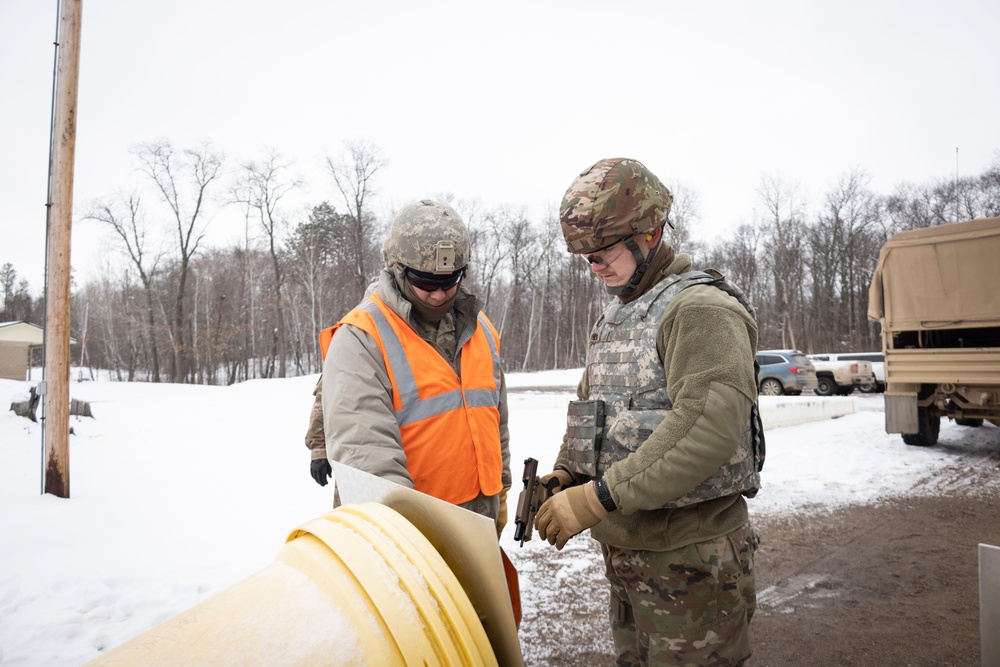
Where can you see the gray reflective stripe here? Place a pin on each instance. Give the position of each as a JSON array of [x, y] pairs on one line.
[[414, 409], [435, 405], [480, 398], [494, 352]]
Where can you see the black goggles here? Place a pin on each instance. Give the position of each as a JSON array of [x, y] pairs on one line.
[[429, 282]]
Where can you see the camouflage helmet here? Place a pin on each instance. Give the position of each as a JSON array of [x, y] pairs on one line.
[[613, 199], [429, 237]]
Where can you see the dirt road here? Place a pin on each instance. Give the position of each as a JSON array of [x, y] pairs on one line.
[[895, 584]]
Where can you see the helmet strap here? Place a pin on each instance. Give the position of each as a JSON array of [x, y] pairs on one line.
[[641, 265]]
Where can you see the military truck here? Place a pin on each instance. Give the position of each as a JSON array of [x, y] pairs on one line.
[[936, 293]]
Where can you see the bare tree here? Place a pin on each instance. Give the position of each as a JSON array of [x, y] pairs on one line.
[[783, 252], [519, 237], [262, 188], [183, 180], [846, 242], [488, 237], [915, 207], [547, 242], [978, 196], [685, 213], [354, 174], [123, 215], [989, 182], [737, 256], [806, 272]]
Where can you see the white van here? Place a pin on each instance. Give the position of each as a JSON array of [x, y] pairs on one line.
[[877, 360]]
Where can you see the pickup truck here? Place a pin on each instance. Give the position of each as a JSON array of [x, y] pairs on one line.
[[841, 377], [877, 360]]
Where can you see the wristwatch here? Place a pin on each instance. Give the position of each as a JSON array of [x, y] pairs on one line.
[[604, 495]]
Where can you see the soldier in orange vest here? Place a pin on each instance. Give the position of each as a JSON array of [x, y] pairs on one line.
[[412, 386]]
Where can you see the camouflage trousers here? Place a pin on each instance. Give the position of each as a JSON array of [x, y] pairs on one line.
[[686, 607]]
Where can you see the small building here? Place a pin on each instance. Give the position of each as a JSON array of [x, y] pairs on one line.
[[18, 341]]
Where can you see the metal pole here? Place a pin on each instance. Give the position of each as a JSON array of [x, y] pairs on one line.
[[989, 604], [57, 253]]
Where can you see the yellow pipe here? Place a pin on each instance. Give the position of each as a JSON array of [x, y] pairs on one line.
[[357, 586]]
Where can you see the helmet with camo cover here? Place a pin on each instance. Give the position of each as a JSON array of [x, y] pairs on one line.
[[429, 237], [613, 199]]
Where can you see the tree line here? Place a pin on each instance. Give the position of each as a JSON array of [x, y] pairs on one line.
[[178, 310]]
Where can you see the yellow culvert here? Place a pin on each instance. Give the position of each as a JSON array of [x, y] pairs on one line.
[[357, 586]]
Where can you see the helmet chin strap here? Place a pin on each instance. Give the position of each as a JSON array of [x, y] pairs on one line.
[[641, 264]]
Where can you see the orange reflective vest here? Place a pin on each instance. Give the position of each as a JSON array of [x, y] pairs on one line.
[[449, 425]]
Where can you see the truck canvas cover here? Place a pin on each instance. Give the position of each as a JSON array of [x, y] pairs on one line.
[[944, 277]]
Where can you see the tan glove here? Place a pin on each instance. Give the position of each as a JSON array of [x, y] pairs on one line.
[[565, 480], [502, 516], [564, 515]]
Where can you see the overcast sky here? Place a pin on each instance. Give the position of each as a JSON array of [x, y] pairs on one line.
[[503, 103]]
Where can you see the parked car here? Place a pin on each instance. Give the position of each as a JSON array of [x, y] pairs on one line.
[[877, 360], [785, 372], [842, 376]]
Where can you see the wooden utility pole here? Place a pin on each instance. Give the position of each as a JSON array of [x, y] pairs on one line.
[[57, 266]]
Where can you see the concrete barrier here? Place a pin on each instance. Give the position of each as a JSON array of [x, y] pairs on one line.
[[778, 411]]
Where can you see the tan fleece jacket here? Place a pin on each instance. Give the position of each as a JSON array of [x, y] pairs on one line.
[[707, 342]]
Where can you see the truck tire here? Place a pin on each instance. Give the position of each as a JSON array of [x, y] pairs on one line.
[[771, 387], [930, 426], [975, 422], [825, 386]]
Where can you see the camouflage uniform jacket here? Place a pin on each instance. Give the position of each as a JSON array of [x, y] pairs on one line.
[[315, 439], [706, 342], [359, 420]]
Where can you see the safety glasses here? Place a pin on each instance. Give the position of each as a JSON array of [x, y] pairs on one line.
[[430, 282], [596, 259]]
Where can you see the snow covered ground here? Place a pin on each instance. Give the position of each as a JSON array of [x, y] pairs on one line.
[[179, 491]]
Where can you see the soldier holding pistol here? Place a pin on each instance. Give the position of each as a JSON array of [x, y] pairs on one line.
[[664, 443]]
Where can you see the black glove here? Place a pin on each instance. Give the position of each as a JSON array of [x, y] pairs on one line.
[[320, 470], [558, 480]]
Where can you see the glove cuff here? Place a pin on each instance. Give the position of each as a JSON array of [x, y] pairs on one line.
[[572, 477], [594, 503]]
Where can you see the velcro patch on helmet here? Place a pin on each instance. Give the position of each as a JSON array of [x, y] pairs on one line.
[[444, 258]]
